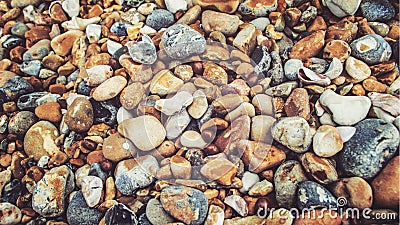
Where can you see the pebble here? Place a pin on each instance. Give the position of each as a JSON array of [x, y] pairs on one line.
[[215, 74], [50, 111], [262, 59], [21, 122], [245, 40], [78, 212], [337, 49], [327, 141], [192, 139], [220, 170], [249, 179], [31, 67], [50, 193], [79, 116], [384, 185], [276, 71], [338, 104], [259, 156], [256, 8], [131, 95], [355, 190], [174, 104], [176, 124], [261, 188], [238, 204], [371, 48], [93, 33], [109, 88], [16, 86], [147, 8], [261, 23], [199, 105], [132, 174], [282, 90], [386, 102], [98, 74], [309, 46], [291, 68], [156, 214], [38, 51], [62, 44], [12, 42], [293, 132], [377, 10], [10, 214], [92, 190], [222, 6], [297, 104], [286, 180], [117, 148], [312, 195], [380, 28], [261, 128], [346, 132], [104, 112], [215, 215], [216, 21], [160, 18], [342, 8], [280, 216], [153, 136], [176, 5], [182, 41], [40, 140], [164, 83], [364, 155], [321, 169], [143, 51], [186, 204]]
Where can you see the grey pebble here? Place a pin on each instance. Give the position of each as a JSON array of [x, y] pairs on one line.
[[312, 195], [160, 18], [21, 122], [19, 29], [377, 10], [79, 213], [31, 67], [379, 49]]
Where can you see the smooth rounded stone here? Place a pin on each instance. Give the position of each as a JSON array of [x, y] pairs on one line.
[[249, 179], [337, 49], [131, 95], [192, 139], [40, 140], [146, 132], [92, 190], [160, 18], [261, 188], [342, 8], [62, 44], [184, 72], [368, 151], [120, 214], [50, 111], [321, 169], [50, 193], [143, 51], [291, 68], [176, 124], [31, 67], [309, 46], [93, 32], [97, 171], [109, 88], [105, 112], [263, 104], [380, 28], [355, 190], [16, 86], [117, 148], [81, 173], [256, 8], [214, 73], [199, 105], [119, 28], [182, 41], [298, 104], [147, 8], [176, 5], [386, 102], [286, 180], [175, 104], [12, 42], [338, 104], [98, 74], [156, 214], [79, 213], [327, 141], [164, 83], [216, 21], [282, 90], [261, 23], [311, 194], [10, 214], [261, 128], [132, 174], [19, 29], [386, 185], [79, 116], [262, 59], [21, 122], [371, 48], [377, 10], [293, 132], [186, 204], [346, 132], [38, 51]]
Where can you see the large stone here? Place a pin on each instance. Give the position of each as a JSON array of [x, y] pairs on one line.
[[342, 8], [215, 21], [386, 185], [80, 115], [62, 44], [371, 48], [309, 46]]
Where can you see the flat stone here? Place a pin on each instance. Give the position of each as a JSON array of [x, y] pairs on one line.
[[386, 102], [261, 128], [186, 204], [298, 104], [368, 151], [192, 139], [261, 188], [259, 156], [216, 21], [38, 51], [337, 49], [40, 140], [237, 203], [177, 123], [338, 104], [80, 115], [199, 105], [146, 132], [131, 95], [174, 104], [50, 111], [293, 132], [109, 88], [21, 122], [98, 74], [214, 73]]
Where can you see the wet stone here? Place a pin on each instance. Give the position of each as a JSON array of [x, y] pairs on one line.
[[372, 146], [185, 204], [182, 41]]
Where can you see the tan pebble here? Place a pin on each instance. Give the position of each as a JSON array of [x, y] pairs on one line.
[[62, 44], [308, 46], [220, 170], [356, 190], [110, 189], [50, 111], [372, 85], [132, 95], [117, 148], [216, 21], [358, 90], [214, 73], [337, 49], [180, 167]]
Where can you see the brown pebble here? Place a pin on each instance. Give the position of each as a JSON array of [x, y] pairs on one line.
[[309, 46], [386, 185], [57, 89], [50, 111], [358, 90], [372, 85]]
